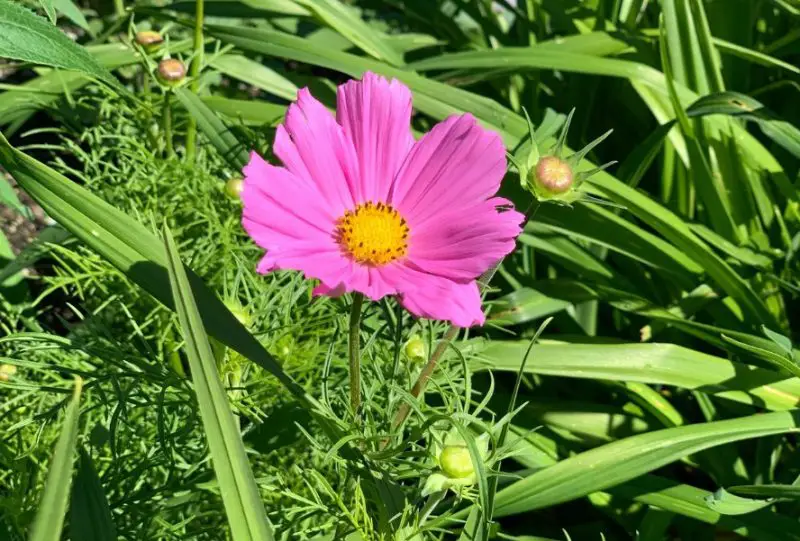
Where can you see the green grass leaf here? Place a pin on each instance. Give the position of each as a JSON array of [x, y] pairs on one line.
[[725, 503], [620, 461], [26, 36], [256, 74], [342, 19], [53, 505], [90, 515], [665, 364], [217, 132], [246, 516], [767, 491]]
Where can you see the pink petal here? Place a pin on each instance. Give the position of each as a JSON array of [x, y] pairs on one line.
[[315, 149], [461, 244], [376, 115], [435, 297], [456, 165], [289, 219]]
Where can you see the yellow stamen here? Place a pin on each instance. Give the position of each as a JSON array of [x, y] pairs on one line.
[[373, 234]]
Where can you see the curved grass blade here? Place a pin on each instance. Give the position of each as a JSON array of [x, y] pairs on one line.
[[725, 503], [620, 461], [767, 491], [690, 502], [217, 132], [90, 515], [342, 19], [665, 364], [53, 506], [246, 515], [256, 74]]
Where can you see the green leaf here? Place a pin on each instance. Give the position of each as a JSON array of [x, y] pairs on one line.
[[9, 198], [620, 461], [690, 502], [342, 19], [524, 305], [743, 106], [725, 503], [72, 12], [53, 505], [256, 74], [240, 494], [665, 364], [213, 128], [90, 515], [780, 340], [768, 491], [28, 37], [49, 9], [247, 111]]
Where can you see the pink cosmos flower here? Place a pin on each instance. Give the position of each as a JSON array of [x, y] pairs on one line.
[[361, 206]]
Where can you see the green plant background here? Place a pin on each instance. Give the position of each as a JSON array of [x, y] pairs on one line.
[[660, 401]]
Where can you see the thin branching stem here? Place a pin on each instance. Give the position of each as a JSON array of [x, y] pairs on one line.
[[166, 120], [194, 73], [355, 352]]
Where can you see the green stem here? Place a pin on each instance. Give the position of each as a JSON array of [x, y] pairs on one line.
[[119, 8], [355, 352], [194, 72], [166, 119]]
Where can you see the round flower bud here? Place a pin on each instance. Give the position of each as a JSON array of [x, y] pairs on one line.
[[233, 188], [171, 71], [149, 40], [415, 349], [456, 462], [551, 177], [6, 371]]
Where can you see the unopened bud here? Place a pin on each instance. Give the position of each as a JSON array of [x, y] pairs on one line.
[[7, 371], [552, 176], [171, 71], [149, 40], [456, 462], [415, 349], [234, 187]]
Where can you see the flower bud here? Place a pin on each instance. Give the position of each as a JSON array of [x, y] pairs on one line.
[[415, 349], [551, 177], [233, 188], [149, 40], [456, 462], [7, 371], [171, 71]]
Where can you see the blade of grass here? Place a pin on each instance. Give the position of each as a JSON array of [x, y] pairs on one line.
[[665, 364], [53, 505], [246, 515]]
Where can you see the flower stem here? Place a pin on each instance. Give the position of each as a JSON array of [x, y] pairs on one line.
[[166, 119], [355, 352], [194, 72]]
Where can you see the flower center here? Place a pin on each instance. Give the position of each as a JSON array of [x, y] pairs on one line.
[[373, 233]]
